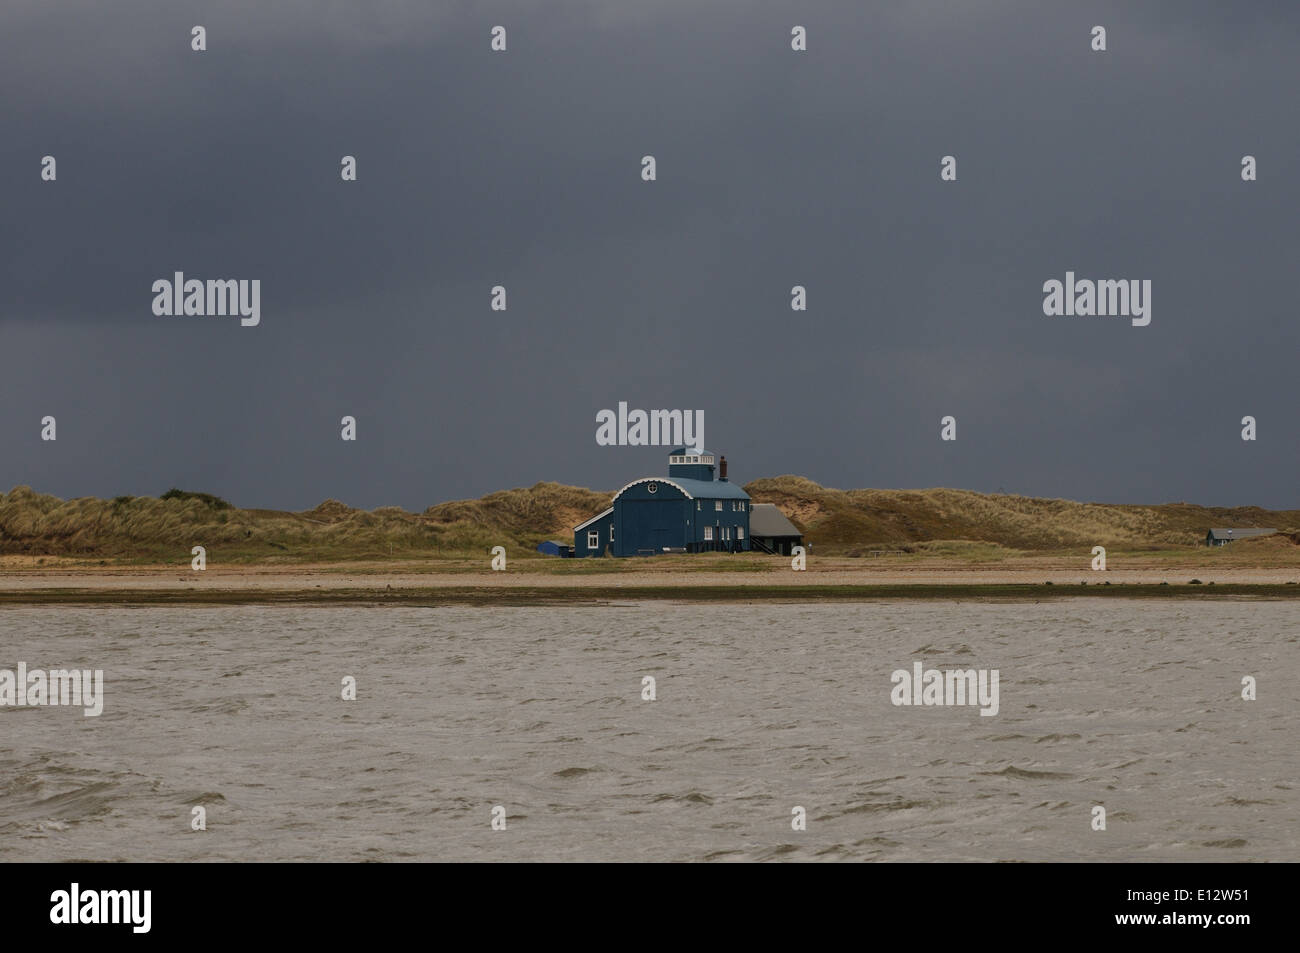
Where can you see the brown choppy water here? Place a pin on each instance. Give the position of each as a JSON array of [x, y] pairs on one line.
[[1132, 705]]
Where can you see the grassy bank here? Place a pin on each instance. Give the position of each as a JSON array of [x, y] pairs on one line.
[[902, 526]]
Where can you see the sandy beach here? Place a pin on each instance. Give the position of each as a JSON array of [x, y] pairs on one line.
[[463, 581]]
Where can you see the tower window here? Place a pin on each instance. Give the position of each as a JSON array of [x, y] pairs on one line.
[[717, 505]]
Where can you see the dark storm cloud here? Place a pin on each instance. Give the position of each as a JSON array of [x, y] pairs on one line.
[[522, 169]]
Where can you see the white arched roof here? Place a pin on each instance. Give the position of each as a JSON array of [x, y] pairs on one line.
[[685, 492]]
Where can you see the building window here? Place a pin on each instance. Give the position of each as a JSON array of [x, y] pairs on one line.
[[593, 539], [611, 531], [740, 532], [717, 505], [708, 534], [698, 504]]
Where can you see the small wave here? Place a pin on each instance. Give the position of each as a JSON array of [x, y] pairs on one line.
[[720, 854], [897, 804], [1011, 771], [694, 797], [226, 706], [780, 850]]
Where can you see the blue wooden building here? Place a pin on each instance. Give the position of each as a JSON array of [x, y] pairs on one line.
[[686, 512]]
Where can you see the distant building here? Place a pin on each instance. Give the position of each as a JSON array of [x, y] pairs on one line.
[[1221, 537], [687, 511], [770, 531]]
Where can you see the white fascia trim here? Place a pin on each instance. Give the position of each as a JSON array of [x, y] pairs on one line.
[[653, 480], [581, 526]]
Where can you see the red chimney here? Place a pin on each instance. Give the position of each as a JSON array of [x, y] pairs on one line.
[[722, 469]]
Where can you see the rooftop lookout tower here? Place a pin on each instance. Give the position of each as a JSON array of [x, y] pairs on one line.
[[691, 465]]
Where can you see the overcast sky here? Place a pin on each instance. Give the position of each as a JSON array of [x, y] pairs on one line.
[[775, 168]]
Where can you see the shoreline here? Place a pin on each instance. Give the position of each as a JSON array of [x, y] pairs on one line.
[[591, 595], [529, 582]]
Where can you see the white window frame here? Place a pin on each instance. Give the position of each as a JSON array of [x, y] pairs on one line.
[[717, 505], [708, 534], [611, 531], [593, 539], [740, 533]]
